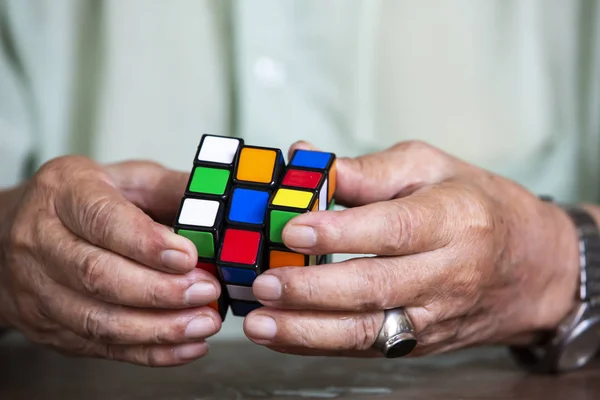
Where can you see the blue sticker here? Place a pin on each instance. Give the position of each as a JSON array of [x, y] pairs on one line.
[[243, 308], [311, 159], [248, 206], [238, 276]]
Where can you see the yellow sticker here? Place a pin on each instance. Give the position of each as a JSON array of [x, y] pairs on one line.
[[292, 198]]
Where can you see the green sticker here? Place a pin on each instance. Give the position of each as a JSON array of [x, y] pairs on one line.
[[277, 223], [331, 204], [203, 241], [209, 180]]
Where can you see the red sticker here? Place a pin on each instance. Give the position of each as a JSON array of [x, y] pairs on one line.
[[208, 267], [240, 247], [303, 179]]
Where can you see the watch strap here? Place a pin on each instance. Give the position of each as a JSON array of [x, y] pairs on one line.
[[589, 253]]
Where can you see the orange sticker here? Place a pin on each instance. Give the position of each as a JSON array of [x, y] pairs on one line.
[[256, 165], [278, 259]]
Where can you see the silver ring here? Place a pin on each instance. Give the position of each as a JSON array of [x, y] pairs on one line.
[[396, 337]]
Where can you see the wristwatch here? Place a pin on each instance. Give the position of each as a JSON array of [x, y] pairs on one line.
[[576, 341]]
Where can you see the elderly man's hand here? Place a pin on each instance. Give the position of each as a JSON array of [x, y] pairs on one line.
[[87, 268], [474, 258]]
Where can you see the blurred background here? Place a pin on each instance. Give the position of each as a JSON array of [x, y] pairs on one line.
[[510, 85]]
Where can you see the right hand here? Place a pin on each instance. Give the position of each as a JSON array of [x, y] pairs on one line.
[[85, 269]]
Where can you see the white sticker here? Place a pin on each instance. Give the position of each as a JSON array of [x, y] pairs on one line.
[[323, 196], [199, 212], [218, 149], [241, 293]]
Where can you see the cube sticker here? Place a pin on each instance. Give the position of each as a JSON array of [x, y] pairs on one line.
[[311, 159], [209, 180], [209, 267], [199, 212], [220, 150], [248, 206], [238, 276], [240, 247], [243, 308], [241, 293], [323, 196], [279, 258], [293, 198], [302, 179], [259, 166], [278, 220], [332, 181], [203, 241]]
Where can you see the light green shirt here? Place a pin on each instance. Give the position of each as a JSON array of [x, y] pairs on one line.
[[512, 86]]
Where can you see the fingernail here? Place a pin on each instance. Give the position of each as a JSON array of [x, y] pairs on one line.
[[175, 259], [200, 328], [190, 351], [200, 293], [300, 236], [267, 287], [261, 327]]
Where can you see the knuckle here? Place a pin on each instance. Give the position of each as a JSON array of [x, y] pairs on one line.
[[150, 240], [162, 335], [28, 313], [365, 332], [95, 326], [377, 280], [54, 173], [414, 146], [477, 215], [154, 358], [445, 332], [305, 336], [110, 352], [93, 272], [96, 216], [153, 296], [142, 355], [397, 225], [164, 291], [20, 238]]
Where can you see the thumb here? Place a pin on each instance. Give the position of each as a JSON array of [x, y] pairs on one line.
[[394, 172], [150, 186]]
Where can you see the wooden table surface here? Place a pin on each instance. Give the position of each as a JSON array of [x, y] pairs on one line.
[[241, 370]]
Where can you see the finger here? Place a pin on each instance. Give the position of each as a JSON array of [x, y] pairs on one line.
[[150, 186], [157, 355], [418, 223], [324, 331], [393, 172], [71, 345], [92, 208], [362, 284], [111, 324], [109, 277]]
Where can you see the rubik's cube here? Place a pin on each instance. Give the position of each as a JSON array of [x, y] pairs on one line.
[[238, 200]]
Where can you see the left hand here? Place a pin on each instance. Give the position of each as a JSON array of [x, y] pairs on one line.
[[473, 258]]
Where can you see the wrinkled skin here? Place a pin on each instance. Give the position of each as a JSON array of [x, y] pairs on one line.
[[86, 271], [474, 258]]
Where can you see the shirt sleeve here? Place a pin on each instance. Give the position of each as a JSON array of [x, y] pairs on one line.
[[16, 144]]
